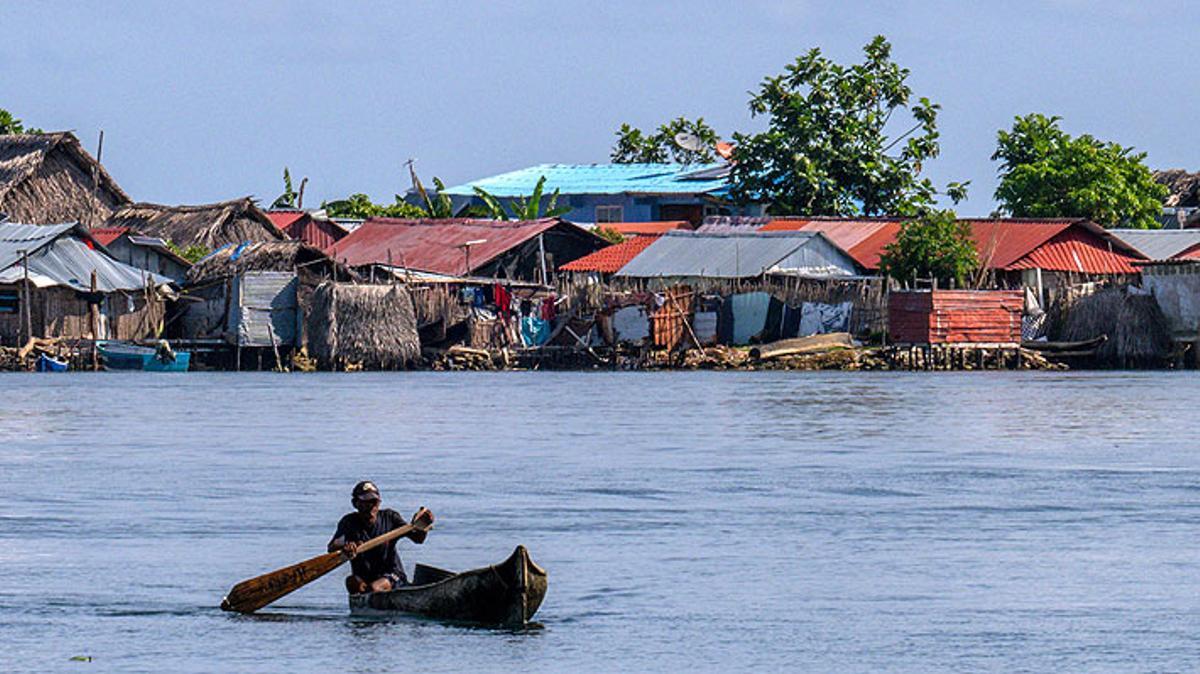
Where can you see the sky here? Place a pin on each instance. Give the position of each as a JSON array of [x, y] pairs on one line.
[[203, 102]]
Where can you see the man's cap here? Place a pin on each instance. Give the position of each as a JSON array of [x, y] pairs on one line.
[[366, 491]]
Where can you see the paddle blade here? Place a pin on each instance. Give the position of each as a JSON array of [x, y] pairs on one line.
[[250, 595]]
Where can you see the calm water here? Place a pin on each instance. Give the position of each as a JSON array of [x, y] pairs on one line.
[[768, 521]]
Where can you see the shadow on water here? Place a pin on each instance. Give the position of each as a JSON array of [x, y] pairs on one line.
[[360, 623]]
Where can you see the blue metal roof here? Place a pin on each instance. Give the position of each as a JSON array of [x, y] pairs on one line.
[[604, 179]]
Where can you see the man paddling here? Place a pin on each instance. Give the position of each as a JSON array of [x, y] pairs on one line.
[[378, 569]]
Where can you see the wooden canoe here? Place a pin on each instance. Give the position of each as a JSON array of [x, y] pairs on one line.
[[505, 594]]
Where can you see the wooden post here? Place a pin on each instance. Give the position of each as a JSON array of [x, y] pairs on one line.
[[275, 347], [27, 305], [94, 310], [542, 257]]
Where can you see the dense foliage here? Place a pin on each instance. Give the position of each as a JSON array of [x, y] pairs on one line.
[[360, 206], [634, 146], [829, 148], [1045, 172], [11, 125], [609, 234], [933, 245], [193, 253]]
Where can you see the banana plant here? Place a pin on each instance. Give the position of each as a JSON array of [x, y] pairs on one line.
[[522, 208], [437, 206]]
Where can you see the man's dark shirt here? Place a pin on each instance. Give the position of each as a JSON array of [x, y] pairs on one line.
[[379, 561]]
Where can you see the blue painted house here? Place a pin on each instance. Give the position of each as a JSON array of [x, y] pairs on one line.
[[600, 193]]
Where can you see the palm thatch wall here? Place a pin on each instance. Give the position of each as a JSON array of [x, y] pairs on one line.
[[49, 179], [1138, 332], [267, 256], [374, 326], [209, 226]]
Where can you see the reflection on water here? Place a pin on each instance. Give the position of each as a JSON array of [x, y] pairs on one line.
[[713, 521]]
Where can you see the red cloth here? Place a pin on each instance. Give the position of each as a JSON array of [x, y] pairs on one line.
[[548, 309], [503, 300]]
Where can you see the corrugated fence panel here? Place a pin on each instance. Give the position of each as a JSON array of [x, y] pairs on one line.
[[955, 316], [265, 298]]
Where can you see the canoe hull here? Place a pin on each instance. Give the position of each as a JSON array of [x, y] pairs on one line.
[[129, 357], [506, 594]]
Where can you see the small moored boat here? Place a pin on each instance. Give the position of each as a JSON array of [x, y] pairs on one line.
[[122, 356], [51, 364], [506, 594]]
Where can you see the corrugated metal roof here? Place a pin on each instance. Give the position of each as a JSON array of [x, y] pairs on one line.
[[740, 255], [864, 239], [435, 245], [283, 219], [1160, 244], [1076, 250], [611, 259], [603, 179], [62, 255], [1002, 243], [645, 228]]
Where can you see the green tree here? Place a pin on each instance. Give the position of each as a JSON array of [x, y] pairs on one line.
[[634, 146], [829, 148], [359, 205], [1046, 173], [522, 208], [193, 253], [12, 125], [935, 244], [609, 234]]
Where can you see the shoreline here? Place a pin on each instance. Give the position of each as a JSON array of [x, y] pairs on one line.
[[818, 353]]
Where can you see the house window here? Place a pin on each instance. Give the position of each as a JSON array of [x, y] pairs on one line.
[[610, 214], [10, 302]]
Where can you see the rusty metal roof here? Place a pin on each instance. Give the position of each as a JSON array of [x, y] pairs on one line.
[[436, 245], [610, 260]]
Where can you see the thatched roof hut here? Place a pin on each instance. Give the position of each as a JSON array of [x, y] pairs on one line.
[[1184, 187], [232, 260], [374, 326], [49, 178], [1137, 330], [209, 226]]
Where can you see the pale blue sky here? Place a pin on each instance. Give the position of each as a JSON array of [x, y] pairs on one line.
[[208, 101]]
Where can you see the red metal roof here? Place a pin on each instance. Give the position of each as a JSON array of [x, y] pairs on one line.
[[645, 228], [1076, 250], [1005, 244], [106, 235], [284, 219], [862, 239], [610, 260], [435, 245]]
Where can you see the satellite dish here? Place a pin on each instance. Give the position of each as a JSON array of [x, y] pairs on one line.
[[689, 141]]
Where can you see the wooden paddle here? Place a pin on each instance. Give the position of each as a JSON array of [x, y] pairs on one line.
[[250, 595]]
